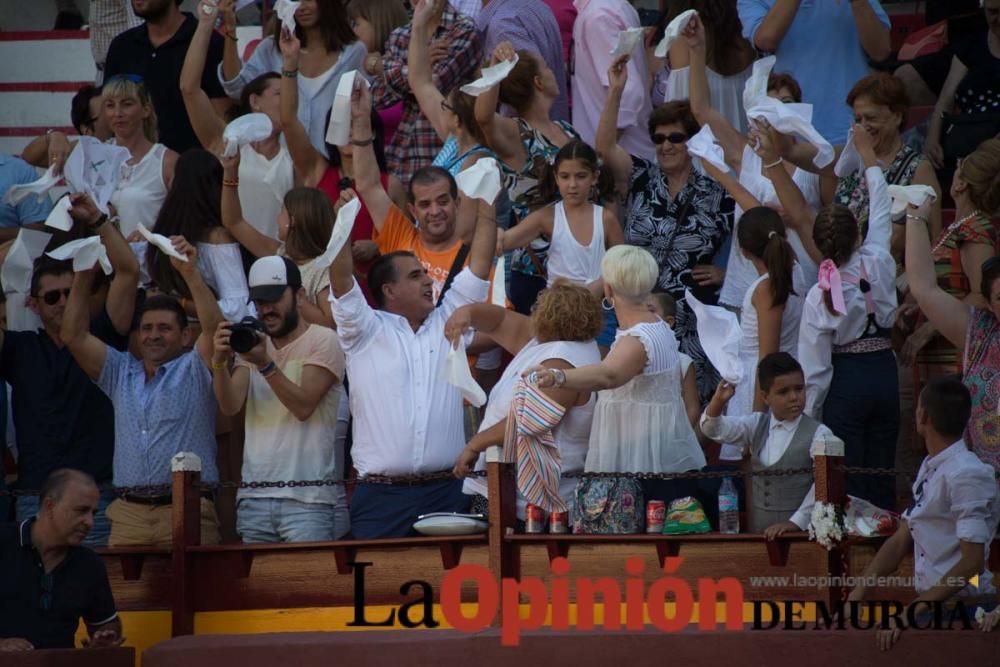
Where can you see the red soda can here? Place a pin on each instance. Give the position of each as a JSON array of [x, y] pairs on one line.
[[559, 522], [534, 519], [656, 513]]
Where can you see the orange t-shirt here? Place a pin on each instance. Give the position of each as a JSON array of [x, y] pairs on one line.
[[399, 233]]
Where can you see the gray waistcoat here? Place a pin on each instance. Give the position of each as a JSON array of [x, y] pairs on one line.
[[776, 498]]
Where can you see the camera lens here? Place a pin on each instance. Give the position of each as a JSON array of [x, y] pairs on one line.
[[242, 339]]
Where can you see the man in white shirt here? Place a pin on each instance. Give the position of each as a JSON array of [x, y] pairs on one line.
[[953, 518], [291, 384], [407, 420]]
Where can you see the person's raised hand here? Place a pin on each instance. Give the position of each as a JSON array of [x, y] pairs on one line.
[[618, 73], [765, 140], [221, 350], [230, 165], [423, 12], [361, 101], [189, 267], [290, 48], [864, 144], [364, 250], [694, 34], [724, 391], [504, 51], [456, 326], [346, 195], [208, 11], [83, 209]]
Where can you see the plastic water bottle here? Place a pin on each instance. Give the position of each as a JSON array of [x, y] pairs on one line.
[[729, 508]]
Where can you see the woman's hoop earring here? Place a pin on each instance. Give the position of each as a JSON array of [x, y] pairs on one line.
[[608, 304]]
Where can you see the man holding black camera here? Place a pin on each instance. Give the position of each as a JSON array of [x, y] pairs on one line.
[[288, 373]]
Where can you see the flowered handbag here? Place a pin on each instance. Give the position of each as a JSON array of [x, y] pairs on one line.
[[608, 505]]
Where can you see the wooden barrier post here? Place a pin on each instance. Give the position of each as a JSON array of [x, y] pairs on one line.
[[502, 496], [186, 508], [831, 487]]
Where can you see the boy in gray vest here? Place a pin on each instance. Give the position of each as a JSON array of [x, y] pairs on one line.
[[779, 438]]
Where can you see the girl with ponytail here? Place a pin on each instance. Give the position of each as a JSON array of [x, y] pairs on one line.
[[852, 383]]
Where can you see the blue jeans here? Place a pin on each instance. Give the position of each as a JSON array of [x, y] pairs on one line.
[[289, 520], [28, 506]]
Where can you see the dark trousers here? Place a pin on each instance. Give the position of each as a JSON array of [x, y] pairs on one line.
[[862, 409], [523, 290], [383, 510]]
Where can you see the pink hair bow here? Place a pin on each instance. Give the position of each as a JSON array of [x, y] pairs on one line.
[[829, 281]]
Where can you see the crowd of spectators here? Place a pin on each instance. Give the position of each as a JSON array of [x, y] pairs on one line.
[[614, 230]]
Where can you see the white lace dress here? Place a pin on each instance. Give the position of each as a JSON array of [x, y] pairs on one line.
[[642, 426]]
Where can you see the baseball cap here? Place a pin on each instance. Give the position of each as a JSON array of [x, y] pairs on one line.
[[269, 276]]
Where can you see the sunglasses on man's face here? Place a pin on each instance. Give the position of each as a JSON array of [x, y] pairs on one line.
[[673, 137], [52, 297]]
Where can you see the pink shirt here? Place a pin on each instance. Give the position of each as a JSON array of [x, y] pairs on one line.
[[565, 13], [595, 34]]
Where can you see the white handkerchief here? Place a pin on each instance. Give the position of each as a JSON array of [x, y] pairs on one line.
[[20, 263], [342, 228], [720, 334], [95, 167], [84, 253], [338, 132], [455, 371], [59, 217], [285, 9], [673, 31], [628, 39], [756, 85], [704, 146], [498, 297], [849, 160], [790, 121], [481, 180], [246, 129], [18, 193], [161, 242], [904, 195], [491, 76]]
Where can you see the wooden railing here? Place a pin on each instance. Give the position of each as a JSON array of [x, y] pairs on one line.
[[191, 577]]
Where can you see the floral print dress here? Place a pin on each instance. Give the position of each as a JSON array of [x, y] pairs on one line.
[[982, 378], [680, 232]]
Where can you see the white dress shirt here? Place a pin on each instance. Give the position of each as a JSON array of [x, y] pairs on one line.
[[955, 498], [739, 431], [822, 329], [407, 420]]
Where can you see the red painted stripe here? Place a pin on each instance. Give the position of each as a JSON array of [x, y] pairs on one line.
[[33, 131], [39, 35], [43, 87]]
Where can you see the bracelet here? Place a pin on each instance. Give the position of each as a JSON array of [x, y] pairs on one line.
[[231, 183], [220, 366], [268, 369], [911, 216], [363, 142], [775, 163], [101, 221], [558, 377], [290, 73]]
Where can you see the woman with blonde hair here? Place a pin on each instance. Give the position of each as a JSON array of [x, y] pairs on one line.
[[147, 175], [640, 423], [559, 334]]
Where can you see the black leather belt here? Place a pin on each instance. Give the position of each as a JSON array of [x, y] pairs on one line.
[[157, 501]]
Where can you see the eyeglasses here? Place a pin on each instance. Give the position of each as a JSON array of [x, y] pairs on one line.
[[447, 107], [673, 137], [52, 297], [45, 602]]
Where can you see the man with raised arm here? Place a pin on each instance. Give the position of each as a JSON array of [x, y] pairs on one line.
[[163, 403], [407, 420], [62, 420]]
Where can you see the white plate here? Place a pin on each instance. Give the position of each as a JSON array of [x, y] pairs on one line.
[[443, 523]]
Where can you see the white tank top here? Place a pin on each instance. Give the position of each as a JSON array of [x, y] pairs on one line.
[[141, 191], [568, 258], [263, 184]]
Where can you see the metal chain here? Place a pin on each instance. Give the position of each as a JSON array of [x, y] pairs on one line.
[[412, 480]]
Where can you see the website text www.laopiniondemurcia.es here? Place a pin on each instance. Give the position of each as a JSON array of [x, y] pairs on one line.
[[668, 604]]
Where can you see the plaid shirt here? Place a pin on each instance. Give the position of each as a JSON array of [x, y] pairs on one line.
[[415, 143], [108, 19]]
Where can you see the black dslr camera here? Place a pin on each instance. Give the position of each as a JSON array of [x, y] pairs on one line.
[[243, 336]]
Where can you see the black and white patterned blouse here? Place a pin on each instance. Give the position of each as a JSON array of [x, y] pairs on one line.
[[680, 233]]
